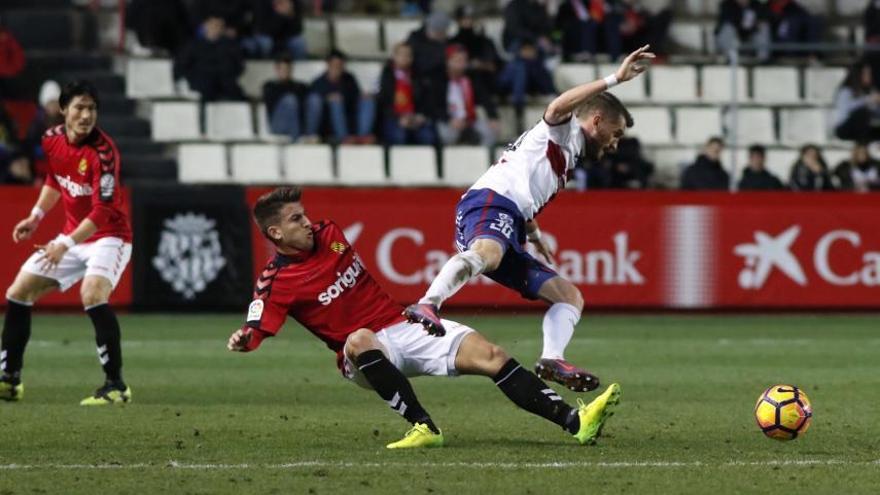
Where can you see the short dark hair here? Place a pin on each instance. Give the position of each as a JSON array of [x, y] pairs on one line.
[[284, 58], [608, 105], [336, 53], [77, 88], [269, 205], [715, 140], [758, 149]]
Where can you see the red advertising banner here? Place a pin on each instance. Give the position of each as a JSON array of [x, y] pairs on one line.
[[17, 203], [634, 249]]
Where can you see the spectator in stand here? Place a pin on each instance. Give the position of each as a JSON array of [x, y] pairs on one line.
[[456, 101], [212, 63], [625, 168], [707, 173], [756, 177], [872, 35], [415, 8], [48, 115], [15, 169], [740, 22], [285, 99], [403, 102], [335, 104], [11, 57], [236, 14], [791, 22], [860, 173], [583, 23], [278, 28], [429, 48], [641, 27], [526, 36], [857, 106], [484, 59], [810, 172], [8, 133], [159, 24]]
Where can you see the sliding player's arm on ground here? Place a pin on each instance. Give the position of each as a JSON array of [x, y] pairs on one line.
[[559, 110], [49, 197], [266, 314]]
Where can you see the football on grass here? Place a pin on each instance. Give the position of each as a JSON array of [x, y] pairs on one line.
[[783, 412]]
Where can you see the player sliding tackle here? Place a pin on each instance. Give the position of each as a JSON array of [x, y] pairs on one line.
[[317, 278], [496, 216]]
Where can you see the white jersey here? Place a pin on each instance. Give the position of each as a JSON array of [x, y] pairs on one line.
[[536, 166]]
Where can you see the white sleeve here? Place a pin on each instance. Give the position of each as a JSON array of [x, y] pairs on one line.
[[558, 133]]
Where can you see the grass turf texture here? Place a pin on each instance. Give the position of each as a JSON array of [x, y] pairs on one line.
[[685, 425]]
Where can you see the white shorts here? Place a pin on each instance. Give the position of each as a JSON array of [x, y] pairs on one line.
[[107, 257], [414, 352]]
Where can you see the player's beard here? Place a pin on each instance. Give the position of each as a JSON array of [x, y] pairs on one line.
[[592, 151]]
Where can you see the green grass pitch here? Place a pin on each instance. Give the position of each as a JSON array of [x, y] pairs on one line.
[[282, 420]]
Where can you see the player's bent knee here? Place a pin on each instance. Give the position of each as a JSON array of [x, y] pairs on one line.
[[359, 342], [496, 356], [26, 288], [95, 292]]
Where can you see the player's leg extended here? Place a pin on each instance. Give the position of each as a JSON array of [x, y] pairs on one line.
[[363, 349], [20, 297], [478, 356], [483, 256], [95, 292], [566, 305]]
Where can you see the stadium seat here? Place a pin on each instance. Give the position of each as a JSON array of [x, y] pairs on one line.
[[264, 132], [755, 125], [175, 121], [361, 165], [256, 163], [799, 126], [201, 163], [841, 33], [358, 37], [696, 125], [570, 75], [463, 165], [652, 125], [397, 30], [256, 73], [780, 161], [367, 75], [669, 163], [688, 36], [629, 92], [149, 78], [308, 164], [833, 156], [413, 166], [850, 8], [694, 8], [818, 7], [494, 28], [716, 84], [671, 83], [317, 34], [775, 85], [820, 83], [229, 121]]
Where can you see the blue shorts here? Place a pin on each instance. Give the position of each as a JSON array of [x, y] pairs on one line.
[[485, 214]]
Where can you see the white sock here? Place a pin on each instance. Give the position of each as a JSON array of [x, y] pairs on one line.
[[559, 322], [454, 274]]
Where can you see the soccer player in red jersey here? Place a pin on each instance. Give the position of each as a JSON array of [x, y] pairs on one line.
[[94, 246], [317, 278]]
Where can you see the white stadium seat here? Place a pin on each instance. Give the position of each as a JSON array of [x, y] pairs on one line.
[[358, 37], [716, 84], [256, 163], [833, 156], [317, 34], [229, 121], [820, 83], [652, 125], [775, 85], [694, 8], [264, 132], [463, 165], [669, 163], [755, 125], [149, 78], [309, 164], [398, 30], [629, 92], [673, 83], [780, 161], [570, 75], [256, 73], [494, 29], [201, 163], [697, 125], [367, 75], [799, 126], [688, 36], [850, 8], [175, 121], [413, 165], [361, 165]]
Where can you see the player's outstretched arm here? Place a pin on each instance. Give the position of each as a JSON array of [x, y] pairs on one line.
[[559, 110]]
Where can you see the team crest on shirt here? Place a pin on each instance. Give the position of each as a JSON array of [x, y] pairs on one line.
[[83, 167], [337, 247]]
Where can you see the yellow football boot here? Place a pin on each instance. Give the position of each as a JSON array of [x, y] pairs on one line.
[[418, 436], [109, 394], [10, 391], [594, 414]]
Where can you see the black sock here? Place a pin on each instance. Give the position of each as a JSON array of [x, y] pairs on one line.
[[16, 333], [530, 393], [108, 340], [393, 387]]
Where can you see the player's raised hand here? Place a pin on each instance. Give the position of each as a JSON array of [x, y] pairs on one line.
[[25, 229], [634, 64], [238, 341]]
